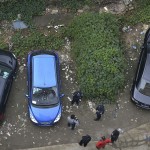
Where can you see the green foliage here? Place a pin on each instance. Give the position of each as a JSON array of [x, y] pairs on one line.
[[141, 3], [27, 9], [35, 40], [3, 44], [140, 14], [74, 4], [96, 50]]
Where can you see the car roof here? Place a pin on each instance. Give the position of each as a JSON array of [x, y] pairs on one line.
[[44, 71], [146, 72]]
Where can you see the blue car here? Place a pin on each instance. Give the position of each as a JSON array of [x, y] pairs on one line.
[[44, 102]]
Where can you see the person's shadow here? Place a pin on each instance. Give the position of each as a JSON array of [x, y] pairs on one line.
[[114, 145]]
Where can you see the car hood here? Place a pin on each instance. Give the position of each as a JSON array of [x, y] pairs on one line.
[[45, 114], [140, 97]]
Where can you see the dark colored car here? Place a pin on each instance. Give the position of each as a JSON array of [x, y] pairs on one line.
[[140, 92], [8, 64], [44, 102]]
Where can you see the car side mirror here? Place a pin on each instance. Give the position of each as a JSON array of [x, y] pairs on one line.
[[27, 96], [62, 95], [142, 47]]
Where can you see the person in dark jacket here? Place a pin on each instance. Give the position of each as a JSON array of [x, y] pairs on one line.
[[115, 134], [100, 109], [77, 96], [72, 121], [85, 140]]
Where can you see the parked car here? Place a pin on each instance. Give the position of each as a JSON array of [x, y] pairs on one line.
[[140, 92], [44, 98], [8, 65]]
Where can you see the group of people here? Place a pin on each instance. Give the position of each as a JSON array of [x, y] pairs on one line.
[[103, 141], [113, 138], [100, 109], [73, 120]]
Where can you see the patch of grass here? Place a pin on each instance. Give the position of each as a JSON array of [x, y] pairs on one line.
[[142, 4], [139, 14], [74, 4], [27, 9], [35, 40], [3, 43], [98, 55]]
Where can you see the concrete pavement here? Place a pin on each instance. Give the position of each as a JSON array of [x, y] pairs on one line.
[[91, 146], [134, 139]]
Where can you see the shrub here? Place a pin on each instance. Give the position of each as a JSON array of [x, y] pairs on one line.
[[74, 4], [27, 9], [35, 40], [140, 14], [2, 39], [96, 50]]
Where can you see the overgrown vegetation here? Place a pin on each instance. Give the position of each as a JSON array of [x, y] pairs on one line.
[[74, 4], [3, 44], [27, 9], [34, 40], [31, 38], [96, 50], [140, 14]]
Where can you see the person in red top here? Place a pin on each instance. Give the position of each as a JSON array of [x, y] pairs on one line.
[[102, 143]]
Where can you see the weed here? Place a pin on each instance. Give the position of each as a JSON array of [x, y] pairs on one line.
[[27, 9], [139, 14], [35, 40], [74, 4], [96, 50]]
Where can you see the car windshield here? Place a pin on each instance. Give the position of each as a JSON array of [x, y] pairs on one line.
[[45, 96], [144, 87], [4, 71]]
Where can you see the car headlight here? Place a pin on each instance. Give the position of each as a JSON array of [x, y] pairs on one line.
[[32, 118], [57, 118]]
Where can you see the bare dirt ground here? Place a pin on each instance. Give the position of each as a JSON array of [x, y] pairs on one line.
[[18, 132]]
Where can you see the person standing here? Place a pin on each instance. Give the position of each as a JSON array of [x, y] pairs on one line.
[[85, 140], [115, 134], [102, 143], [77, 96], [72, 121], [100, 109]]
